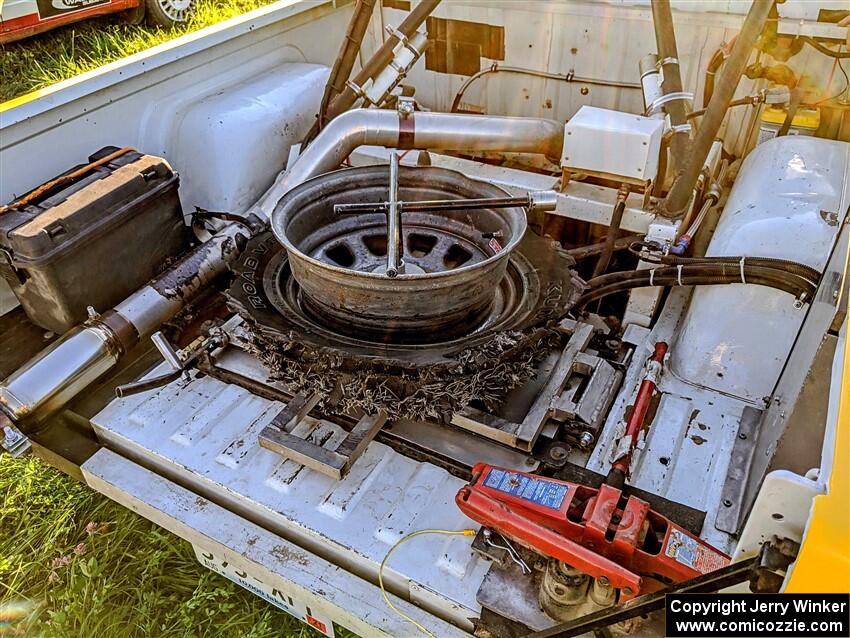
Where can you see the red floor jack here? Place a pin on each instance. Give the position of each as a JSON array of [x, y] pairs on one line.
[[600, 532]]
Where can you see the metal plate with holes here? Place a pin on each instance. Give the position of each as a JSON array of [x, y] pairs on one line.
[[730, 515]]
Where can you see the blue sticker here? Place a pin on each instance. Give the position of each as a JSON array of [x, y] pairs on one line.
[[530, 488]]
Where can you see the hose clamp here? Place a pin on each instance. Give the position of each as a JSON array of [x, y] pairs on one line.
[[356, 88], [653, 371], [667, 61], [682, 128], [406, 131], [398, 35], [669, 97], [741, 267]]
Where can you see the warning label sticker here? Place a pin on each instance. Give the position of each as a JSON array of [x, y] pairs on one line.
[[688, 551], [530, 488]]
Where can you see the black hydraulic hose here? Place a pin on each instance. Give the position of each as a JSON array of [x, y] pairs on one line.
[[841, 55], [791, 266], [700, 274], [598, 293], [736, 270], [584, 252], [613, 231]]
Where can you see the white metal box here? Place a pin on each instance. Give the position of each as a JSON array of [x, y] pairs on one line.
[[611, 142]]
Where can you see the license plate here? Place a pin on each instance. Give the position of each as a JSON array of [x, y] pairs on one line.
[[279, 598]]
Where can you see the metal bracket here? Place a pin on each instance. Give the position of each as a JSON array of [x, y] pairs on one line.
[[179, 365], [14, 441], [743, 452]]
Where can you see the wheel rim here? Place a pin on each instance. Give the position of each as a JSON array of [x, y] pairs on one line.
[[176, 10]]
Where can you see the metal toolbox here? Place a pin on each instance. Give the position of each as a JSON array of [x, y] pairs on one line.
[[91, 236]]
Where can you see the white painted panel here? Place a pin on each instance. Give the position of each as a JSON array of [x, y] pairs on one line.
[[788, 202], [204, 433]]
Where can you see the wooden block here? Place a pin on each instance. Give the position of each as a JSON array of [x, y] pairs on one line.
[[355, 443], [329, 462], [541, 409], [296, 409], [304, 452], [486, 424]]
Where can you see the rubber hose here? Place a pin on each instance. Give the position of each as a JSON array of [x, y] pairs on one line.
[[841, 55], [721, 269], [605, 291], [781, 264], [795, 288]]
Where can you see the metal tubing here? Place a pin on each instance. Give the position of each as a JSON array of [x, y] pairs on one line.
[[680, 192], [168, 354], [569, 77], [425, 131], [453, 132], [347, 55], [395, 247], [58, 373], [345, 100], [435, 205], [668, 52]]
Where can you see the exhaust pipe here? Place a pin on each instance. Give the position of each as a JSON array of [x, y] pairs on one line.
[[423, 131], [63, 370]]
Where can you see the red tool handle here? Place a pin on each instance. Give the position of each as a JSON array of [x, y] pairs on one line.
[[620, 467]]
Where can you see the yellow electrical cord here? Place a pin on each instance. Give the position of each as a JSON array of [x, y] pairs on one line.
[[447, 532]]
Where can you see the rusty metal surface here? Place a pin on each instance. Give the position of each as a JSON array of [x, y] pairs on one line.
[[454, 260]]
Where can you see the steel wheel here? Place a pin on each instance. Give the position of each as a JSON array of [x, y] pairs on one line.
[[169, 13]]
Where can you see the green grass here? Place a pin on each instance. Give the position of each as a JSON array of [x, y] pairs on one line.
[[65, 52], [74, 564]]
